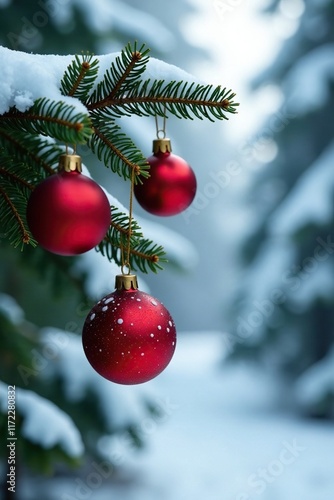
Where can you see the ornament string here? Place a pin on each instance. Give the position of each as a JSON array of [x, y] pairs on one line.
[[126, 260]]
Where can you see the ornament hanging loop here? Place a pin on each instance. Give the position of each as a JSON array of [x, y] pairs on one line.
[[162, 130], [162, 144], [70, 162], [124, 271]]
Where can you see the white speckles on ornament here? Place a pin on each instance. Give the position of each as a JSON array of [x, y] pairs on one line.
[[131, 324], [105, 308], [159, 327], [168, 330], [152, 335], [138, 300], [154, 303], [92, 316], [173, 343], [142, 354], [111, 299], [170, 323], [100, 350], [120, 321]]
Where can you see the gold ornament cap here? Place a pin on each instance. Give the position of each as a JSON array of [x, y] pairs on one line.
[[70, 163], [126, 282], [162, 146]]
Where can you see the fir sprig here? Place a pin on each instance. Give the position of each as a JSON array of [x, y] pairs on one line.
[[55, 119], [182, 99], [39, 153], [14, 193], [117, 150], [80, 77], [123, 90], [124, 72], [144, 254]]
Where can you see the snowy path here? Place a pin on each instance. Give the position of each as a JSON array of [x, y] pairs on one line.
[[221, 441], [218, 438]]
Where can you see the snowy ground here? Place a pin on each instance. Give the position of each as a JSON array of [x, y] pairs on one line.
[[219, 438]]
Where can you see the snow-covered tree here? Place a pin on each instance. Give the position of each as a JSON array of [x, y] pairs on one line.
[[48, 102], [283, 314]]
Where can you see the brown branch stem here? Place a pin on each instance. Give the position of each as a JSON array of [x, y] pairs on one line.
[[25, 234], [16, 178], [122, 101], [109, 144], [32, 117], [84, 68]]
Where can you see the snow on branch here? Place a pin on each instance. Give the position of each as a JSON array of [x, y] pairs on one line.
[[28, 77], [44, 423]]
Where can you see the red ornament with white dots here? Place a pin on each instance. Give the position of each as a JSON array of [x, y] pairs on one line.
[[129, 336]]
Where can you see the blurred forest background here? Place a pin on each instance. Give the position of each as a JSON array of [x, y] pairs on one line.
[[251, 259]]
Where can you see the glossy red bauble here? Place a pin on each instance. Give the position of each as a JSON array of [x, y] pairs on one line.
[[68, 213], [129, 337], [171, 187]]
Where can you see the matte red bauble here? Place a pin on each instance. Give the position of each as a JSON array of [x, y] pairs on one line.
[[68, 213], [171, 187], [129, 337]]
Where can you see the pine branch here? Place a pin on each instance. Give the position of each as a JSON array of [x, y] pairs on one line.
[[121, 92], [40, 153], [54, 119], [15, 179], [144, 254], [182, 99], [11, 219], [117, 150], [80, 77], [124, 72]]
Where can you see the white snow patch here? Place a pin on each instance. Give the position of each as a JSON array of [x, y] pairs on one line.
[[311, 199], [309, 81], [10, 308], [43, 73], [316, 283], [44, 423], [316, 382]]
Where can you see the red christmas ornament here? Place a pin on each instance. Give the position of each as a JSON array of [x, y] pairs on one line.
[[171, 187], [68, 213], [129, 337]]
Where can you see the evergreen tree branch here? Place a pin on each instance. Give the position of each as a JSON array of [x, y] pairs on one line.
[[182, 99], [13, 215], [117, 151], [80, 77], [124, 72], [55, 119], [144, 254], [15, 178], [39, 152]]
